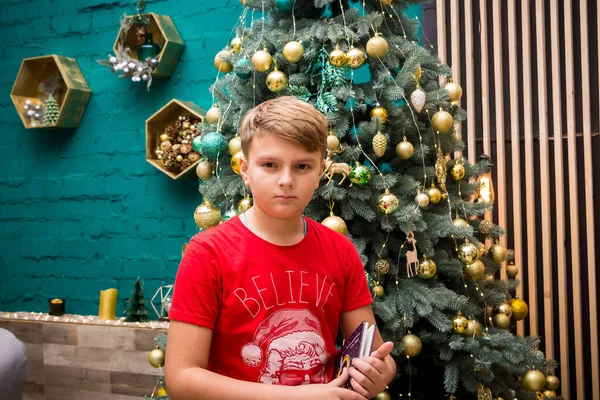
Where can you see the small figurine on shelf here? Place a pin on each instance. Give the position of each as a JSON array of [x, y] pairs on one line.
[[51, 112], [148, 49]]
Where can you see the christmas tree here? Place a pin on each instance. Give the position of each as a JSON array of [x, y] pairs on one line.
[[395, 182], [136, 310], [51, 112]]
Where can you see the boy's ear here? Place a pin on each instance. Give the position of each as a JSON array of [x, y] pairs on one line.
[[244, 170], [321, 174]]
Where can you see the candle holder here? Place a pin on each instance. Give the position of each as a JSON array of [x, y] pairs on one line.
[[56, 307]]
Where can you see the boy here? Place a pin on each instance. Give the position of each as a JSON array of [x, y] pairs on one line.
[[259, 299]]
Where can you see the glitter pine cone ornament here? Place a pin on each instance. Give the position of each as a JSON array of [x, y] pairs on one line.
[[379, 144], [417, 99]]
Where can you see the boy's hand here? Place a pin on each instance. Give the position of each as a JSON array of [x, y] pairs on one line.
[[333, 390], [371, 374]]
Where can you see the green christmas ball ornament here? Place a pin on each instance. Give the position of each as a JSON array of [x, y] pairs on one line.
[[227, 215], [196, 143], [213, 145], [243, 68], [360, 175], [284, 6]]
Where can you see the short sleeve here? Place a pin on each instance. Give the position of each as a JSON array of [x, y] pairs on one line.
[[198, 287], [356, 291]]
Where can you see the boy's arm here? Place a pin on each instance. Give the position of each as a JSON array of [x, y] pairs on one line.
[[186, 375], [370, 375]]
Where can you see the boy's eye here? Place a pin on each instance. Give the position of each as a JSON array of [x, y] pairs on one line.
[[269, 165], [303, 166]]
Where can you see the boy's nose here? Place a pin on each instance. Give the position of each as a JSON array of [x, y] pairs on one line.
[[286, 179]]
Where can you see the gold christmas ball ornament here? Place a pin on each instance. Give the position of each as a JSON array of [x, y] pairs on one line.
[[482, 250], [221, 64], [503, 308], [498, 253], [378, 291], [213, 115], [552, 382], [335, 223], [383, 396], [485, 227], [386, 2], [412, 345], [179, 158], [293, 51], [460, 324], [426, 269], [379, 113], [234, 145], [377, 47], [333, 143], [245, 204], [501, 321], [475, 270], [460, 223], [338, 57], [164, 137], [434, 194], [404, 150], [205, 170], [236, 44], [235, 162], [473, 329], [156, 358], [207, 215], [442, 121], [387, 202], [262, 60], [422, 199], [550, 394], [379, 144], [356, 58], [457, 171], [468, 253], [454, 90], [512, 270], [534, 381], [382, 266], [277, 81], [417, 99], [519, 309]]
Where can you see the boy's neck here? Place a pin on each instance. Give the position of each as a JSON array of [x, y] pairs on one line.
[[282, 232]]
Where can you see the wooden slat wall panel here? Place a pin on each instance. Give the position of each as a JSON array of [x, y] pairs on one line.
[[540, 101]]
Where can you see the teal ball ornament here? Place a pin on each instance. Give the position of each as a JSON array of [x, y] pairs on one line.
[[360, 175], [284, 6], [227, 215], [213, 145], [243, 68], [196, 143]]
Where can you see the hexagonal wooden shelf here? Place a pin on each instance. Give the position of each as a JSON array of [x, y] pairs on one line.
[[72, 97], [165, 34], [156, 124]]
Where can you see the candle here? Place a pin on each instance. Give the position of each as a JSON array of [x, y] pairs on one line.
[[56, 307], [108, 304]]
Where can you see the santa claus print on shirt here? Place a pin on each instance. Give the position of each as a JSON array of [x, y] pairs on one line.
[[294, 347]]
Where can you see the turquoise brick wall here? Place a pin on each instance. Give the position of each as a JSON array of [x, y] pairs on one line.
[[82, 210]]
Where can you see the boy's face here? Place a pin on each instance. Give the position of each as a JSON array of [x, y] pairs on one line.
[[281, 174]]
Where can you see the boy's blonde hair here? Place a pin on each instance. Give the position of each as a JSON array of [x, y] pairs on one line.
[[288, 118]]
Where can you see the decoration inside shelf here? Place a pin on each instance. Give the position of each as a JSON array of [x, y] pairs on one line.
[[176, 149], [148, 45], [50, 92], [172, 136], [163, 295]]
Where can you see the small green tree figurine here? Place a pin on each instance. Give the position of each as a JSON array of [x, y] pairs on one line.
[[51, 113], [136, 310]]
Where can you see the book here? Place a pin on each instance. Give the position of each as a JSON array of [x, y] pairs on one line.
[[359, 344]]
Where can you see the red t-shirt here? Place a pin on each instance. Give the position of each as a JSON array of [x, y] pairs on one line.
[[274, 310]]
